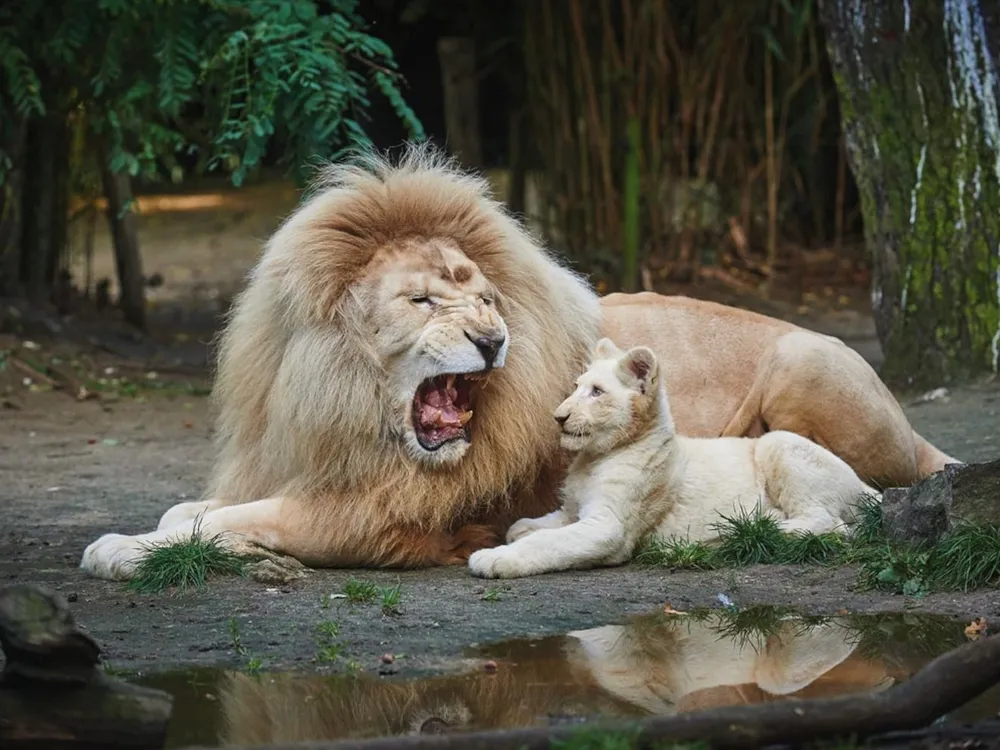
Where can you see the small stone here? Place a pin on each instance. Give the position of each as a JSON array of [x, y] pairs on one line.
[[72, 597], [490, 667], [388, 658]]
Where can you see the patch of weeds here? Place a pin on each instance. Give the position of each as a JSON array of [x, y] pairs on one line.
[[812, 549], [361, 592], [491, 595], [185, 564], [677, 554], [329, 647], [586, 738], [749, 539], [254, 663], [389, 598], [901, 570], [968, 558], [868, 523]]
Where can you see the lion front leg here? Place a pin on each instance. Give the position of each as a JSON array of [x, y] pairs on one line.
[[115, 557]]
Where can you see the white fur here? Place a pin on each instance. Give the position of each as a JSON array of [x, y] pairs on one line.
[[633, 476]]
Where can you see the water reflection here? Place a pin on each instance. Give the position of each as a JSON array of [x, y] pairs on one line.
[[649, 665]]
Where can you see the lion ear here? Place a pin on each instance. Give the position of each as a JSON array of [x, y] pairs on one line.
[[638, 367], [606, 349]]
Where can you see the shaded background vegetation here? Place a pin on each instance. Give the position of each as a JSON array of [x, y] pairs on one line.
[[652, 143]]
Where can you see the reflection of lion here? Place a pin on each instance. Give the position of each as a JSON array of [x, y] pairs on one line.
[[651, 665], [357, 425]]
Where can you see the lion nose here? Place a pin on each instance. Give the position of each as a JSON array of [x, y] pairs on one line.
[[488, 346], [561, 419]]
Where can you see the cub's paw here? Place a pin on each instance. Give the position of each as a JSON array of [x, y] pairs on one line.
[[497, 562], [521, 529], [114, 557]]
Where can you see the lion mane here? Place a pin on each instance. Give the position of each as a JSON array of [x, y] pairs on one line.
[[304, 412]]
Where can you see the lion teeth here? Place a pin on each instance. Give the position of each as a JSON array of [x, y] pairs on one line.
[[464, 417], [450, 382]]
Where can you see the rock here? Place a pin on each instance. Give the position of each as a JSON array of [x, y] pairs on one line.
[[931, 508]]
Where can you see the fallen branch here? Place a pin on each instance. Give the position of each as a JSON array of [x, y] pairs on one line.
[[945, 684], [53, 693]]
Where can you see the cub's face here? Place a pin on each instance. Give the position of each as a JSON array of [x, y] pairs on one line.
[[610, 399], [439, 334]]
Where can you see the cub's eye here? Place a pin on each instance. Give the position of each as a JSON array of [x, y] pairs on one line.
[[595, 391], [420, 300], [487, 301]]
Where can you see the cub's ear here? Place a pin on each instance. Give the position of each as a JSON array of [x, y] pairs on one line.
[[639, 368], [606, 349]]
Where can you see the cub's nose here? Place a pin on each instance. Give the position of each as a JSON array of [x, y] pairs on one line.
[[561, 419], [488, 346]]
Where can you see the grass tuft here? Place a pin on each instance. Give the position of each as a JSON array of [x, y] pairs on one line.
[[677, 554], [185, 564], [968, 558], [965, 559], [749, 539], [361, 592], [389, 598], [812, 549]]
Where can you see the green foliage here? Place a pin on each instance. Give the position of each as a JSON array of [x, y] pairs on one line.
[[185, 564], [748, 539], [360, 592], [967, 558], [152, 78], [677, 553]]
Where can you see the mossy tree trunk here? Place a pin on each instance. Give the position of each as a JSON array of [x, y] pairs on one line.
[[920, 102]]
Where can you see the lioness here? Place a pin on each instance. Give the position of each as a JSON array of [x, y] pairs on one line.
[[357, 424], [634, 476]]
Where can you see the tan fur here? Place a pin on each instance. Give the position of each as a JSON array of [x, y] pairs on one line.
[[311, 459], [302, 411]]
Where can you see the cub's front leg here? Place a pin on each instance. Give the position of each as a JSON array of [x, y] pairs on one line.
[[591, 542], [554, 520]]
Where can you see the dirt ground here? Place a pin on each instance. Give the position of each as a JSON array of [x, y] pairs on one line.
[[73, 470]]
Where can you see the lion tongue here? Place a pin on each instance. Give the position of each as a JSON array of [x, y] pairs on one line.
[[438, 409]]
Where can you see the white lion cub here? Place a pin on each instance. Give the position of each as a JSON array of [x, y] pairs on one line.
[[633, 476]]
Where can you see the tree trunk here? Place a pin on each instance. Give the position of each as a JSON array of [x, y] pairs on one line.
[[919, 93], [125, 235], [11, 210], [40, 205], [461, 99]]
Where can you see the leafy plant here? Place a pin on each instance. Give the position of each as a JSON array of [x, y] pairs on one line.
[[389, 597], [749, 538]]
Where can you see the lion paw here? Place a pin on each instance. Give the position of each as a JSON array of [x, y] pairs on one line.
[[113, 557], [497, 562]]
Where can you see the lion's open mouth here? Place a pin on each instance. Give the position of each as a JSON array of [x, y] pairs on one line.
[[442, 409]]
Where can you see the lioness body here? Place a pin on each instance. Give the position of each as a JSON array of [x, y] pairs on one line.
[[356, 423], [633, 476]]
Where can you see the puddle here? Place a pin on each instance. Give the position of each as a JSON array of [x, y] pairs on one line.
[[648, 665]]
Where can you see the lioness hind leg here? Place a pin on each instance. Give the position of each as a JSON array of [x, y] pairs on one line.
[[816, 490], [820, 388]]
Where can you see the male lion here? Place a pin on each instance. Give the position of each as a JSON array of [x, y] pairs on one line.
[[633, 476], [357, 426]]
